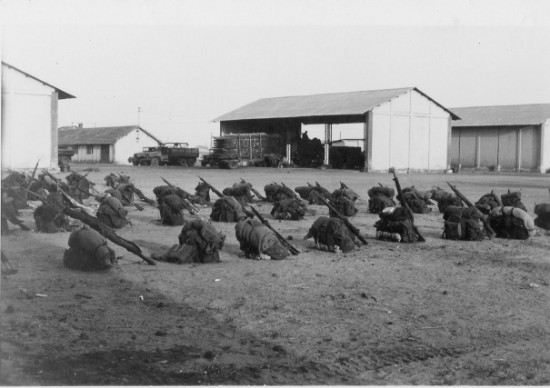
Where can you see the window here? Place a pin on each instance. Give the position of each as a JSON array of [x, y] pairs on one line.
[[89, 150]]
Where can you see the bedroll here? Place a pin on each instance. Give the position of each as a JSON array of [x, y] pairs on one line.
[[257, 241]]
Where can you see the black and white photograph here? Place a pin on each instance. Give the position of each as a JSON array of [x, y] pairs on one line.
[[260, 192]]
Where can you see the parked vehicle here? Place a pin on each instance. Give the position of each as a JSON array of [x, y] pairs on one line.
[[244, 149], [173, 154]]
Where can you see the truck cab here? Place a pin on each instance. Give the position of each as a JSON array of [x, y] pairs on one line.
[[178, 154]]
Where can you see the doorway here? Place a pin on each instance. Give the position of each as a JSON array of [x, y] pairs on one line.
[[104, 154]]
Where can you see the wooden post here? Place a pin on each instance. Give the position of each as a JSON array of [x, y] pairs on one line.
[[239, 146], [328, 139], [287, 146], [459, 147], [289, 153], [367, 138], [478, 150], [498, 150], [541, 149], [518, 151], [449, 142], [54, 135]]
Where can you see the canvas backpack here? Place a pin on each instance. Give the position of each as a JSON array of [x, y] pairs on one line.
[[513, 199], [111, 180], [284, 192], [256, 239], [304, 191], [202, 235], [171, 210], [47, 219], [379, 203], [445, 199], [511, 222], [79, 186], [542, 210], [112, 212], [422, 195], [203, 191], [227, 209], [88, 251], [289, 209], [463, 223], [381, 190], [241, 192], [126, 193], [271, 191], [395, 221], [331, 232], [461, 228], [315, 196], [487, 203], [416, 204], [344, 206]]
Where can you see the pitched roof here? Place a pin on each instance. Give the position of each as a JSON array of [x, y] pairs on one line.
[[61, 94], [502, 115], [332, 104], [102, 135]]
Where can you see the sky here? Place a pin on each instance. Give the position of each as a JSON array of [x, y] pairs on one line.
[[183, 63]]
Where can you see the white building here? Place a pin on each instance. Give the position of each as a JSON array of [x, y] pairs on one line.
[[106, 144], [29, 120], [401, 128]]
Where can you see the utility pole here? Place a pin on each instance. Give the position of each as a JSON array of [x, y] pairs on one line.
[[137, 129]]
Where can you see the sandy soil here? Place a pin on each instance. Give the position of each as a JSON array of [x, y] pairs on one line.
[[439, 312]]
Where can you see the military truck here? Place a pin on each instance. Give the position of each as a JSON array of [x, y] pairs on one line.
[[244, 149], [171, 154]]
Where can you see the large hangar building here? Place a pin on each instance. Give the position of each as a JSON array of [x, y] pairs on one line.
[[402, 128], [502, 138]]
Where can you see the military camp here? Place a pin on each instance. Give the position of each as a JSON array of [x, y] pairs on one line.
[[275, 193]]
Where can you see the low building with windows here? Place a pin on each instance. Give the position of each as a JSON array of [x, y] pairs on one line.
[[106, 144]]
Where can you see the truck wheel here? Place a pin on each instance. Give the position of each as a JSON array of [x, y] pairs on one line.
[[191, 162], [183, 162], [233, 164], [135, 163], [155, 162]]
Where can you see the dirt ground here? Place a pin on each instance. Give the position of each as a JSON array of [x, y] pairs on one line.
[[435, 313]]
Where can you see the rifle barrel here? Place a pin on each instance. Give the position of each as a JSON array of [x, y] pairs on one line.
[[350, 226], [216, 191], [288, 245]]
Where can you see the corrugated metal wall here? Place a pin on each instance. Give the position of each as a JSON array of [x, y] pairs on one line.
[[512, 148], [545, 147], [410, 132]]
